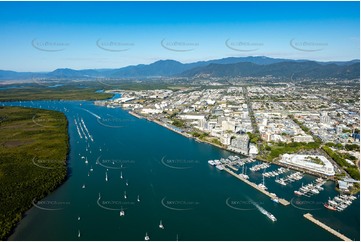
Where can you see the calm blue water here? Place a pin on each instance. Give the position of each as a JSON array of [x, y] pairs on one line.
[[175, 184]]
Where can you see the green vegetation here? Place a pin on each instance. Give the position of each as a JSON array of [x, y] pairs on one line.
[[340, 160], [305, 129], [315, 160], [178, 123], [173, 115], [216, 141], [66, 92], [353, 147], [253, 137], [200, 135], [336, 146], [280, 148], [355, 189], [28, 137]]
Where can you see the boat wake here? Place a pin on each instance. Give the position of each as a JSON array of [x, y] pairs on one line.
[[77, 128], [82, 129], [264, 211], [95, 115]]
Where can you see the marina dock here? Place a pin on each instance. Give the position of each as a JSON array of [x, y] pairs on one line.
[[281, 200], [232, 167], [327, 228]]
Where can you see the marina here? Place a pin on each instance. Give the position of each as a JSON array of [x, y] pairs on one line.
[[272, 196], [259, 167], [311, 189], [279, 171], [289, 179], [147, 188], [340, 202]]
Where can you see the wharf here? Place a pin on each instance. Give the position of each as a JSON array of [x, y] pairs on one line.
[[281, 200], [327, 228]]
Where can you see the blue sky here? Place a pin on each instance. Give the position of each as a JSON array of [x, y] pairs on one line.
[[43, 36]]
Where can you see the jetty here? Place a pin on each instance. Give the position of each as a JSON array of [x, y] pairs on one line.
[[327, 228], [280, 200]]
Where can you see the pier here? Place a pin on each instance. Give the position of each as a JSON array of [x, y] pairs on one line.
[[327, 228], [281, 200], [232, 167]]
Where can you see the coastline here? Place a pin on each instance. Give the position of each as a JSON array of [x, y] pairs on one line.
[[181, 133], [282, 201], [64, 177], [224, 148]]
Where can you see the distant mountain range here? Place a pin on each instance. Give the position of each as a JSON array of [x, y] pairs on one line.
[[252, 66]]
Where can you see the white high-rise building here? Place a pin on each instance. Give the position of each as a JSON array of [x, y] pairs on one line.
[[325, 119]]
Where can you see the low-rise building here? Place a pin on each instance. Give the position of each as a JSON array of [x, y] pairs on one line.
[[314, 163]]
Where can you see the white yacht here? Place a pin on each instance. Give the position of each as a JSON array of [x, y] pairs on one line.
[[161, 225], [261, 185], [121, 213], [146, 237]]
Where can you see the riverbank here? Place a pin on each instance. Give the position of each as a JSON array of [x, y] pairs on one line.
[[44, 92], [33, 160], [224, 148], [146, 174]]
